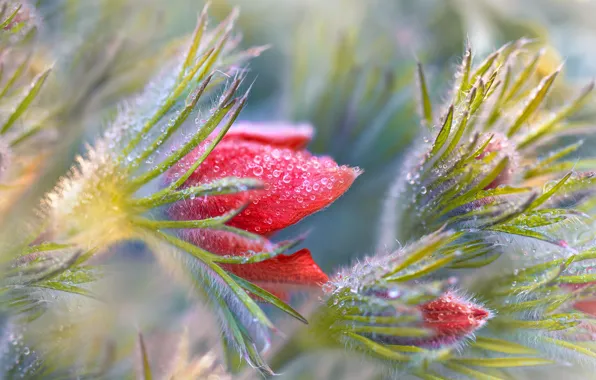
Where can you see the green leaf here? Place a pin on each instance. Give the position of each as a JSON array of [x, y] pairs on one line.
[[443, 133], [11, 17], [524, 76], [15, 76], [195, 41], [484, 194], [176, 224], [465, 75], [173, 127], [426, 105], [549, 125], [147, 374], [231, 119], [502, 346], [484, 66], [571, 346], [377, 349], [270, 298], [425, 251], [553, 324], [514, 230], [536, 98], [577, 279], [26, 101], [545, 196], [206, 62], [424, 270], [243, 297], [533, 305], [503, 362], [257, 257], [227, 185], [66, 288], [175, 157], [397, 331], [472, 373]]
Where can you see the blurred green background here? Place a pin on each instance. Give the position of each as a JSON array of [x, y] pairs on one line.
[[346, 66]]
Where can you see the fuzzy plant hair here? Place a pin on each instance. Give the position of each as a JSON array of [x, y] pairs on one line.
[[115, 193], [486, 271], [484, 267]]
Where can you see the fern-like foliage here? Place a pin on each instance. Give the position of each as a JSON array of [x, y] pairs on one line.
[[492, 278], [483, 167], [22, 121], [114, 193]]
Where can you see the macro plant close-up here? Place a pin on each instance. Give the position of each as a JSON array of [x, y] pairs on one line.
[[248, 189]]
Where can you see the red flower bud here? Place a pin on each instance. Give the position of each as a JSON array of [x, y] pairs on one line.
[[452, 318], [296, 184], [501, 145]]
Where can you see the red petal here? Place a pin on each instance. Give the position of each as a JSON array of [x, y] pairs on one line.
[[292, 136], [296, 269], [586, 306], [296, 184], [451, 316]]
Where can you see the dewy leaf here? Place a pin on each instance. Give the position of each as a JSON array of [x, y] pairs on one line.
[[502, 346], [566, 111], [552, 158], [196, 40], [15, 76], [506, 362], [534, 101], [465, 74], [524, 76], [378, 349], [484, 66], [444, 133], [425, 103], [180, 119], [571, 346], [219, 187], [268, 297], [33, 91], [548, 194], [11, 17], [472, 373]]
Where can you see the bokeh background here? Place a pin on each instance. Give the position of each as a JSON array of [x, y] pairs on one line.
[[345, 66]]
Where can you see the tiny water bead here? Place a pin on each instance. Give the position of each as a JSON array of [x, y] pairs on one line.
[[295, 183]]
